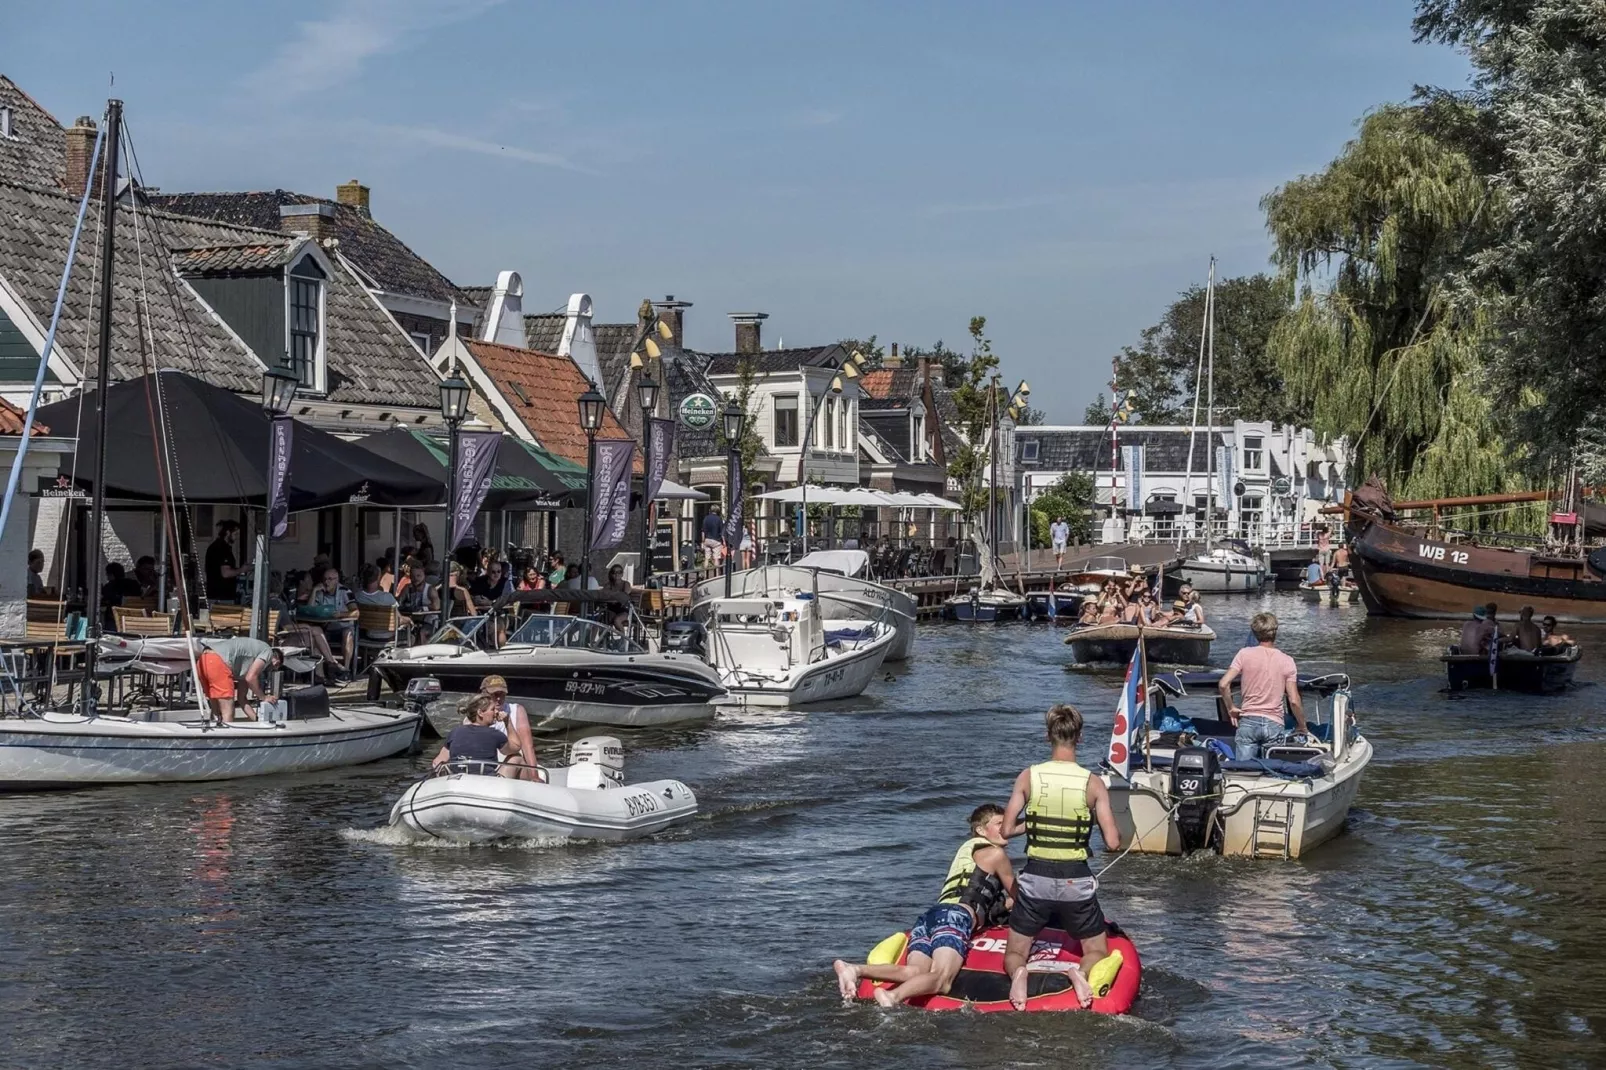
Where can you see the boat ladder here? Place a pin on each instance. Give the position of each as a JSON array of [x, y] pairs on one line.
[[1274, 819]]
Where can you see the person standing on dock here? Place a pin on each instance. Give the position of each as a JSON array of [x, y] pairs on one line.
[[1266, 677], [1059, 533]]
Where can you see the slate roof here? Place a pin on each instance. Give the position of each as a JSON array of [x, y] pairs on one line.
[[369, 359], [544, 390], [11, 419], [767, 361], [240, 258], [615, 342], [372, 249], [1087, 449], [36, 152]]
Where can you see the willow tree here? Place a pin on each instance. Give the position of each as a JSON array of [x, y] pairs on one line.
[[1386, 341]]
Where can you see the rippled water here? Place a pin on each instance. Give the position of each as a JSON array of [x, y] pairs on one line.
[[275, 922]]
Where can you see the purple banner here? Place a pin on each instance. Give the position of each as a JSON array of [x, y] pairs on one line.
[[733, 504], [281, 437], [610, 492], [471, 482], [663, 444]]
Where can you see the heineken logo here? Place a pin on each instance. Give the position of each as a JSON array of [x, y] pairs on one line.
[[698, 411], [60, 487]]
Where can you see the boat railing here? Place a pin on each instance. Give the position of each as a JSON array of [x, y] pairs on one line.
[[480, 767]]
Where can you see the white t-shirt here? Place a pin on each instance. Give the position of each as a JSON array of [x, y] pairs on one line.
[[1060, 532]]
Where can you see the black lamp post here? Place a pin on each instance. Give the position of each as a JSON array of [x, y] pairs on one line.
[[278, 394], [735, 418], [592, 405], [647, 394], [454, 410]]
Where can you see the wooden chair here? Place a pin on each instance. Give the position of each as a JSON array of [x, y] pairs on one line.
[[377, 628], [144, 604], [49, 622], [228, 618], [129, 623], [651, 603]]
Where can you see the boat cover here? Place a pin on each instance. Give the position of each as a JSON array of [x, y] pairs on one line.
[[844, 562]]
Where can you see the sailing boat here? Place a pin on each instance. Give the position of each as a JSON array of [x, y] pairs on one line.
[[1217, 568], [987, 601], [94, 742]]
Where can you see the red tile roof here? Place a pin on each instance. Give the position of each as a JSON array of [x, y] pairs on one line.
[[544, 390], [878, 384], [11, 419]]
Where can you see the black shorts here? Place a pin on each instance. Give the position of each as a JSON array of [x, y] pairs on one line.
[[1060, 908]]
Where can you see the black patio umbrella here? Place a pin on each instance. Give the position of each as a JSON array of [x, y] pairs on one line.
[[519, 482], [219, 444]]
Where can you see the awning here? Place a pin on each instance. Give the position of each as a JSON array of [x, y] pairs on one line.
[[669, 490], [219, 450], [520, 482], [1162, 507], [860, 496]]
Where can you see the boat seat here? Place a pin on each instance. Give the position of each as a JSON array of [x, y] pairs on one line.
[[305, 703]]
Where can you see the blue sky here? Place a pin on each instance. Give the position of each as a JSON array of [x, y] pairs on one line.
[[850, 168]]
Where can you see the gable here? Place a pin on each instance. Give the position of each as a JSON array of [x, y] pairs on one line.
[[36, 152]]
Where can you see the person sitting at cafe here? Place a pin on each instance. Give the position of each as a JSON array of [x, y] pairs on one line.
[[146, 575], [458, 601], [557, 571], [533, 580], [118, 586], [331, 606], [36, 574], [371, 594], [423, 547], [491, 584], [619, 611], [311, 578], [419, 601]]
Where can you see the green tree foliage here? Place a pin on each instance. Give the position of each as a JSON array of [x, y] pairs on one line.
[[954, 365], [1097, 413], [975, 395], [874, 352], [1386, 342], [1249, 384], [1072, 498]]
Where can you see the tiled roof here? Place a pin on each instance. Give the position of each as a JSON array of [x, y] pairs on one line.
[[615, 342], [244, 258], [869, 432], [767, 361], [872, 403], [36, 152], [372, 249], [369, 359], [11, 419], [1087, 449], [544, 390]]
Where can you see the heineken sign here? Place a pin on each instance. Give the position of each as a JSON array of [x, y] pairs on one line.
[[698, 411]]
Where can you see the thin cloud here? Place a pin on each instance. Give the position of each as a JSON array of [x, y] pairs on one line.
[[815, 117], [327, 52], [447, 140]]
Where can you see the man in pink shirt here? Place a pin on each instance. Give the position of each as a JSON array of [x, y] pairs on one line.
[[1265, 676]]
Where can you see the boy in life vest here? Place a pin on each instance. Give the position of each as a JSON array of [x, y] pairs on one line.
[[1055, 803], [975, 894]]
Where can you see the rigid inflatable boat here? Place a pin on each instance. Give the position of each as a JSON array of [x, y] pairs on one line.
[[982, 984], [588, 799]]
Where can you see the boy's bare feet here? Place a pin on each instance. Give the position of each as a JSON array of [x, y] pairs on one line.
[[847, 978]]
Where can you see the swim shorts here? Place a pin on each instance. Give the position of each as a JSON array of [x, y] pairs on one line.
[[1069, 903], [944, 925], [212, 675]]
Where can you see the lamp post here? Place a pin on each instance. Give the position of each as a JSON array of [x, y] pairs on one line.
[[735, 418], [647, 394], [592, 405], [278, 394], [454, 408]]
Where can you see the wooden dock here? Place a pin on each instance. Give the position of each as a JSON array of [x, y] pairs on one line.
[[1038, 573]]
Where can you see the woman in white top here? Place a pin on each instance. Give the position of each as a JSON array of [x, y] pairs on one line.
[[517, 723]]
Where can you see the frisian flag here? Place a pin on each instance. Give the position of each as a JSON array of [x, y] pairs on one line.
[[1128, 715]]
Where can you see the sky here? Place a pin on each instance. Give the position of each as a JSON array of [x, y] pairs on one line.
[[851, 168]]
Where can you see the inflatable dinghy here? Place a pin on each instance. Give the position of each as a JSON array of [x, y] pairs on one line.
[[982, 984], [586, 800]]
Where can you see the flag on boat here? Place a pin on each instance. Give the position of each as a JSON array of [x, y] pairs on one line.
[[1128, 715]]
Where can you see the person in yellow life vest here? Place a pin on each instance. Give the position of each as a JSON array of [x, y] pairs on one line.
[[975, 894], [1055, 803]]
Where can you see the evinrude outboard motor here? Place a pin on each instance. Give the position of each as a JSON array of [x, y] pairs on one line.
[[685, 637], [1196, 793], [596, 762]]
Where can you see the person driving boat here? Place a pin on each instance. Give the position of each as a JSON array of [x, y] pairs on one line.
[[476, 741]]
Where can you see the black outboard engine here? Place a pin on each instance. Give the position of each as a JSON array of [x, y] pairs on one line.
[[1196, 793], [685, 637]]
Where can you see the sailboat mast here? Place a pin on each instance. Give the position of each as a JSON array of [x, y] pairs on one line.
[[1210, 403], [1198, 392], [97, 507]]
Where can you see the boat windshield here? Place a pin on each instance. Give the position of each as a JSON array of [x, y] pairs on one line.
[[461, 631], [550, 629]]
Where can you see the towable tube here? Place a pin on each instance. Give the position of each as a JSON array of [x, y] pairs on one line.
[[982, 984]]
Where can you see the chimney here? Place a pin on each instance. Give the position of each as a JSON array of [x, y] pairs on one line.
[[892, 360], [316, 221], [673, 313], [748, 325], [353, 193], [80, 149]]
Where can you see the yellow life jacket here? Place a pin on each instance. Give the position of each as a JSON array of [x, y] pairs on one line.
[[960, 869], [1058, 820]]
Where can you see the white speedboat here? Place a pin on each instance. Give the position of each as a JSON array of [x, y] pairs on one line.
[[1223, 569], [566, 671], [840, 580], [586, 799], [1188, 795], [780, 651]]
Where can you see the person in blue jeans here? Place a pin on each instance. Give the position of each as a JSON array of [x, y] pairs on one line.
[[1265, 677]]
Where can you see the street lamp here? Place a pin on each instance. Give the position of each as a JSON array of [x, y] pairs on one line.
[[278, 394], [592, 405], [735, 419], [647, 394], [454, 407]]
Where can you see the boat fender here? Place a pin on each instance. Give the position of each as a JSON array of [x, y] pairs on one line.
[[1102, 976], [888, 951]]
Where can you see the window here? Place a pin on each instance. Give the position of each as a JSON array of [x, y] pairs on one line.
[[5, 122], [1028, 449], [305, 350], [917, 437], [842, 424], [830, 423], [1249, 514], [1254, 453], [785, 424], [1201, 502], [422, 341]]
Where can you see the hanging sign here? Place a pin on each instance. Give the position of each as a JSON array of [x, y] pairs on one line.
[[698, 411]]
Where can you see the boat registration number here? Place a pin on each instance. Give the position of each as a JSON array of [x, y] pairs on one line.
[[831, 677], [582, 687], [636, 805], [1437, 553]]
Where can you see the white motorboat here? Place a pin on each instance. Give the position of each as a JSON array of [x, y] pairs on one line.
[[586, 799], [1223, 569], [840, 580], [566, 671], [1187, 795], [780, 651]]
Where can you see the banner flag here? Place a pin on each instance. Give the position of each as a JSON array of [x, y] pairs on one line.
[[471, 482], [282, 437], [662, 434], [610, 492], [1128, 716]]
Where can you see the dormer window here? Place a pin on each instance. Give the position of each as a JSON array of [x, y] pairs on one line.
[[305, 345], [5, 122]]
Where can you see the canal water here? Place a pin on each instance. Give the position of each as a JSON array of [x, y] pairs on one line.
[[1458, 921]]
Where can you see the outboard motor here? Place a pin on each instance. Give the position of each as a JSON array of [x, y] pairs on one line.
[[595, 763], [1196, 793], [686, 637]]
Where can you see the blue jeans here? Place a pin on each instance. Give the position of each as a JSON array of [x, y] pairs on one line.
[[1254, 735]]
